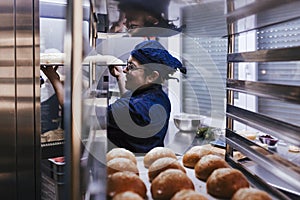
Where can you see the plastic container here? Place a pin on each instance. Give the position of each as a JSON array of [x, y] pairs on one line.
[[52, 180]]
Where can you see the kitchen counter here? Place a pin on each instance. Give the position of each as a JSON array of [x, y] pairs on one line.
[[180, 141]]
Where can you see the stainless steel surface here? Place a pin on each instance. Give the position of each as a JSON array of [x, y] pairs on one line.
[[72, 103], [177, 140], [281, 130], [287, 93], [253, 8], [230, 70], [282, 172], [8, 127], [268, 12], [285, 54], [258, 181], [19, 95], [26, 86], [270, 179]]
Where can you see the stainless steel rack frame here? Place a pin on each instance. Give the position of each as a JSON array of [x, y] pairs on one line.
[[284, 10]]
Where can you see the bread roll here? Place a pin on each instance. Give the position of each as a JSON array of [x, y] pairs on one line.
[[224, 182], [127, 196], [125, 181], [169, 182], [207, 164], [121, 164], [188, 194], [192, 156], [294, 149], [156, 153], [53, 135], [251, 194], [120, 153], [163, 164]]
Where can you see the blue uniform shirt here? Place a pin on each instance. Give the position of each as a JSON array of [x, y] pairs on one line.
[[138, 121]]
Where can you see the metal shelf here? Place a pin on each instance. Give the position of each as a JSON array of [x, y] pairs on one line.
[[283, 54], [272, 165], [269, 12], [283, 172], [280, 129], [286, 93]]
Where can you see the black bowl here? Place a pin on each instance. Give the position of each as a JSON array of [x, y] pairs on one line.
[[268, 139]]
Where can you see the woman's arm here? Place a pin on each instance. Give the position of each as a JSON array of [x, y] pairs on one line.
[[54, 78]]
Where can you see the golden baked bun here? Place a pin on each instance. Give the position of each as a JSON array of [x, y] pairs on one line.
[[127, 196], [169, 182], [192, 156], [188, 194], [163, 164], [251, 194], [121, 164], [224, 182], [207, 164], [120, 153], [125, 181], [156, 153]]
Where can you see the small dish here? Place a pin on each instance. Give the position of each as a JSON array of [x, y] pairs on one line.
[[268, 139]]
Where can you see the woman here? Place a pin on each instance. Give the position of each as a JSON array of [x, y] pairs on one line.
[[139, 13], [138, 121]]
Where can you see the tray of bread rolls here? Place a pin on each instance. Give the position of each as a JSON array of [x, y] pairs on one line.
[[162, 175]]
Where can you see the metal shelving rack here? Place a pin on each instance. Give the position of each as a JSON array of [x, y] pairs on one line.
[[278, 168]]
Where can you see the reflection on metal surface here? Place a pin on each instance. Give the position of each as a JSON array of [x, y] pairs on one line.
[[277, 91], [268, 12], [279, 129], [72, 101], [253, 8], [19, 98], [285, 54], [256, 181], [283, 172]]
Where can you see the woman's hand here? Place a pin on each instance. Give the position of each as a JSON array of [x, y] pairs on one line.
[[51, 73], [116, 71]]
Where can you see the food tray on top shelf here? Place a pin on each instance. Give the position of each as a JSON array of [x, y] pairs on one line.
[[51, 64], [52, 149], [200, 186]]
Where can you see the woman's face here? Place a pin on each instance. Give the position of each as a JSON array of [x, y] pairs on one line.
[[138, 19], [135, 75]]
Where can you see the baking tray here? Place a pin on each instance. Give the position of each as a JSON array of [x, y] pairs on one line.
[[200, 186], [52, 149]]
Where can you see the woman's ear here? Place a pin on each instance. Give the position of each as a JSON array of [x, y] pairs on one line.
[[151, 78], [151, 19]]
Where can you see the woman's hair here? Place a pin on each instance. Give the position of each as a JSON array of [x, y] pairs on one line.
[[156, 8]]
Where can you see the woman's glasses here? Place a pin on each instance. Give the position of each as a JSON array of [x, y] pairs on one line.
[[130, 66]]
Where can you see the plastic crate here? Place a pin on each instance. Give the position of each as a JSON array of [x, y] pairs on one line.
[[52, 183]]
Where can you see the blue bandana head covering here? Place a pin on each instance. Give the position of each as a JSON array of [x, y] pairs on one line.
[[152, 52]]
